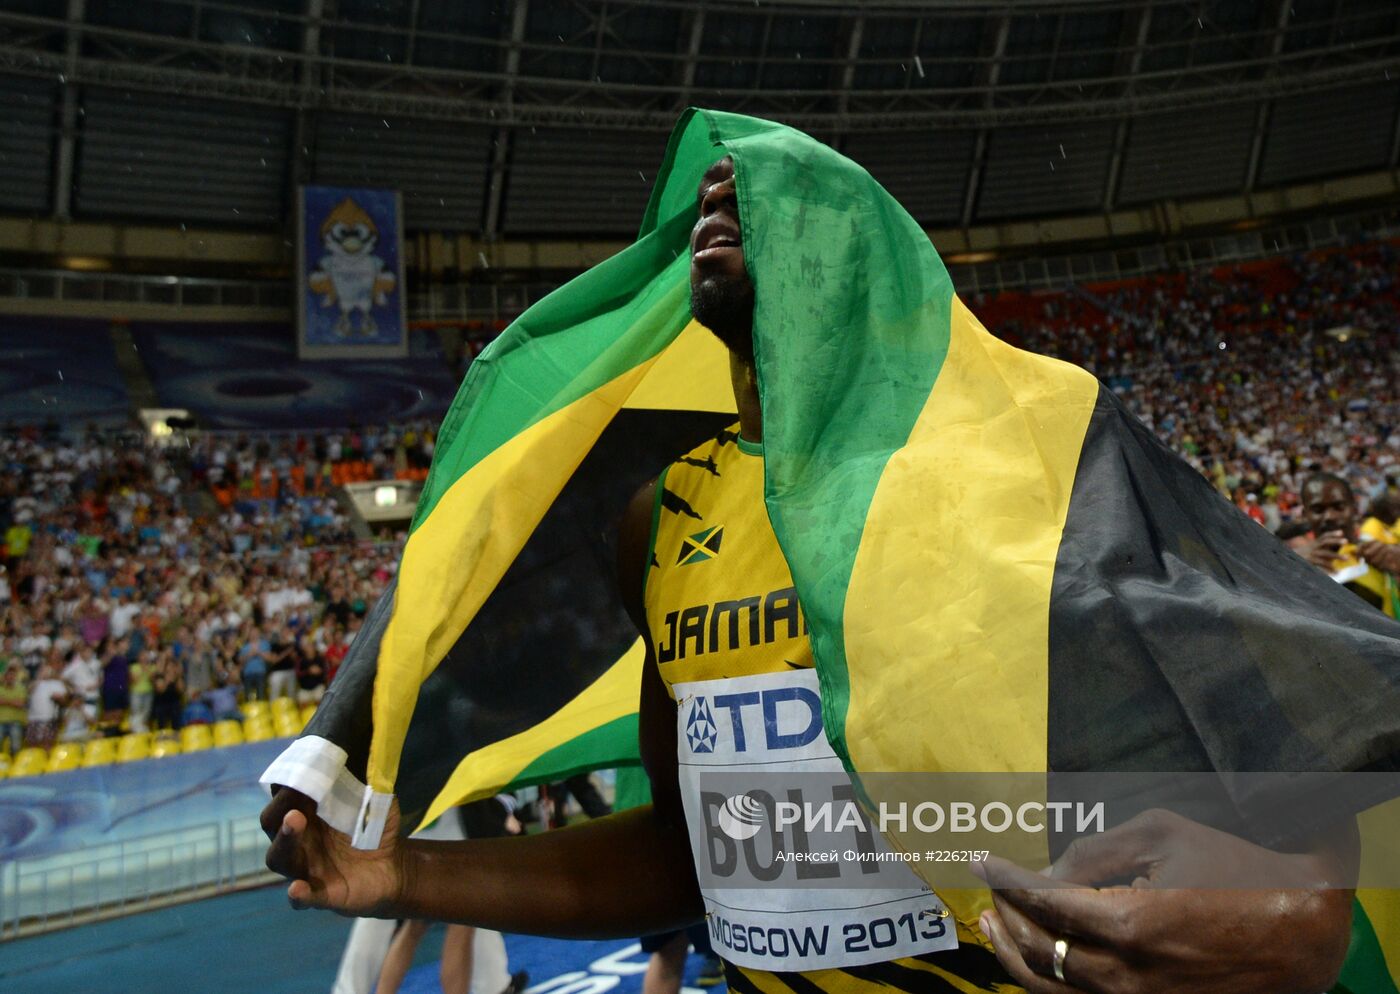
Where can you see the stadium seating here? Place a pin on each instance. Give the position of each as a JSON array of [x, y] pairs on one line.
[[258, 730], [100, 752], [65, 756], [262, 723], [283, 705], [134, 746], [194, 738], [227, 733], [29, 761], [288, 724]]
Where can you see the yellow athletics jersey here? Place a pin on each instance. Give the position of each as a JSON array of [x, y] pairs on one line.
[[1382, 585], [720, 606]]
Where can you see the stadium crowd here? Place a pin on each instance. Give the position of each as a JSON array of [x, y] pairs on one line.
[[1259, 376], [155, 585], [161, 585]]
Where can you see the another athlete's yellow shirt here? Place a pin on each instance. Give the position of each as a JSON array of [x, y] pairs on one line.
[[720, 604], [1381, 584]]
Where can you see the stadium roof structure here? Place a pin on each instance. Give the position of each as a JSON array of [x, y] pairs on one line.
[[548, 117]]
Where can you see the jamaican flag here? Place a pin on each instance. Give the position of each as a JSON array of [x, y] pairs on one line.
[[984, 542]]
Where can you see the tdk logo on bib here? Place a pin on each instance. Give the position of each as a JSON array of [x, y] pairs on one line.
[[755, 721]]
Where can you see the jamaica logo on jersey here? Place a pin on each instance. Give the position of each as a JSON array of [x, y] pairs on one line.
[[700, 546]]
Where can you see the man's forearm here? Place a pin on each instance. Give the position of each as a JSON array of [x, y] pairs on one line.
[[623, 875]]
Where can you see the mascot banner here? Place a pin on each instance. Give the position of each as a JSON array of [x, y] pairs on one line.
[[350, 286]]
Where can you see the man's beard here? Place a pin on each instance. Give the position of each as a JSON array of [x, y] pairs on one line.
[[724, 304]]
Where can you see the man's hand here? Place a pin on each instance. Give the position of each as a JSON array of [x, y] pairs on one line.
[[1165, 932], [1322, 551], [325, 870], [1378, 555]]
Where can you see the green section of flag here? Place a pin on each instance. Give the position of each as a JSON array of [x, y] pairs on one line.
[[1365, 970], [612, 744], [851, 327]]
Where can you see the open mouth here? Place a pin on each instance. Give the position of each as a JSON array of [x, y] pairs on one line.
[[717, 247]]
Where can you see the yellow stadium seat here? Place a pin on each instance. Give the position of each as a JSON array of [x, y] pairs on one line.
[[193, 738], [283, 705], [30, 762], [286, 725], [4, 764], [307, 710], [65, 749], [256, 709], [64, 761], [166, 745], [65, 756], [227, 733], [100, 752], [257, 731], [133, 747]]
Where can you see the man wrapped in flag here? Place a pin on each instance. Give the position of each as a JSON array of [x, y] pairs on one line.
[[968, 557]]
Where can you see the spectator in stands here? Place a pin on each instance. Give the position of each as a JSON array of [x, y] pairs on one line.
[[199, 662], [93, 620], [310, 671], [74, 723], [253, 659], [281, 667], [34, 643], [116, 684], [338, 606], [336, 648], [141, 677], [1367, 564], [168, 696], [222, 699], [14, 699], [83, 675], [17, 539], [47, 696]]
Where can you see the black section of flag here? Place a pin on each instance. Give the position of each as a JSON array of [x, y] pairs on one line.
[[552, 626], [1186, 638]]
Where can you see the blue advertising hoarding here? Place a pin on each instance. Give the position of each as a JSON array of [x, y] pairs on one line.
[[350, 283]]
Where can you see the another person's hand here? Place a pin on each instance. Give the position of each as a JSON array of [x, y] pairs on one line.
[[1165, 932], [1378, 555], [1322, 551], [325, 870]]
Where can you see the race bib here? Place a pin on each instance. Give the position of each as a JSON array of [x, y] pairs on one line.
[[793, 878]]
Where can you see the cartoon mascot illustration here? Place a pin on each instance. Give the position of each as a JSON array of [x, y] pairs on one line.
[[350, 274]]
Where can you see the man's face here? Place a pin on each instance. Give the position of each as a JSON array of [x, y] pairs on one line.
[[721, 295], [1329, 507]]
